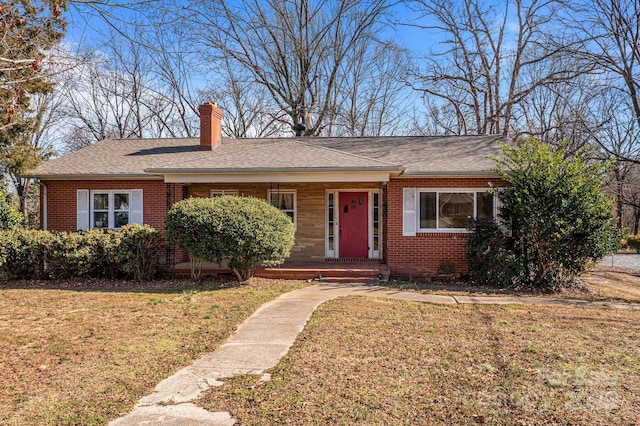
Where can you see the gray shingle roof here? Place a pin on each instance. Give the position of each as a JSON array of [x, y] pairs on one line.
[[425, 154], [143, 157]]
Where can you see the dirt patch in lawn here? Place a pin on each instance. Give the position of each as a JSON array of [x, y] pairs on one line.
[[84, 352], [373, 361], [615, 283]]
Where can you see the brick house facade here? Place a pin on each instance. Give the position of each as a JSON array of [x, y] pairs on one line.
[[396, 200]]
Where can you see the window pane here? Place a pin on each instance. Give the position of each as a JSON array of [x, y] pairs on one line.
[[100, 201], [290, 214], [121, 202], [122, 218], [455, 209], [427, 210], [286, 201], [101, 219], [485, 206]]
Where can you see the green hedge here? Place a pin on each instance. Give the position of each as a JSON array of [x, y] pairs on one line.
[[31, 254]]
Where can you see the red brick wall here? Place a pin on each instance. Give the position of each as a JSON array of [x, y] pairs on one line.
[[417, 256], [61, 200], [420, 256]]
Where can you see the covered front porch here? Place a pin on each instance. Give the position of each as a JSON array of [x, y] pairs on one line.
[[335, 221]]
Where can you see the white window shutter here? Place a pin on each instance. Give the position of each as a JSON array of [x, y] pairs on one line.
[[506, 230], [136, 207], [82, 209], [409, 209]]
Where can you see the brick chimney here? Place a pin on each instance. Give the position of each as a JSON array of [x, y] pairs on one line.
[[210, 126]]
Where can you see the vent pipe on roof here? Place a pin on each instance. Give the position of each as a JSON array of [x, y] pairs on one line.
[[299, 129], [210, 126]]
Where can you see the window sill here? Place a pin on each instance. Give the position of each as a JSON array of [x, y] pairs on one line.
[[443, 231]]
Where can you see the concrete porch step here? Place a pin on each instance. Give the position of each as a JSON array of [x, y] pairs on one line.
[[338, 272]]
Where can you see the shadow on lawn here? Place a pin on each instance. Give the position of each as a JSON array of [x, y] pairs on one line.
[[160, 285]]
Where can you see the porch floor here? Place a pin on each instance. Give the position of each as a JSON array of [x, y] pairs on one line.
[[328, 271]]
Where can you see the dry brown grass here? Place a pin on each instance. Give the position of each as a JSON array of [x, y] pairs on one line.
[[372, 361], [84, 353], [614, 284], [603, 284]]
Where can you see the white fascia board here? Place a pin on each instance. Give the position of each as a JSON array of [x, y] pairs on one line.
[[367, 176]]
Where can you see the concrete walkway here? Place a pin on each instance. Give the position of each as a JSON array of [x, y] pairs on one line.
[[265, 337]]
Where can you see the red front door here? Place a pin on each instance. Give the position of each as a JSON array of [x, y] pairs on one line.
[[354, 224]]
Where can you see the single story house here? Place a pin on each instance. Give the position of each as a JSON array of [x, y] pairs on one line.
[[402, 202]]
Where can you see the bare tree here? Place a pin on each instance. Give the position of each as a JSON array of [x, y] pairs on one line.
[[246, 106], [610, 32], [371, 95], [298, 51], [481, 67], [124, 90]]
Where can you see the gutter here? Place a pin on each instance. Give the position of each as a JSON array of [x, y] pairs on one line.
[[144, 176], [472, 173], [227, 171]]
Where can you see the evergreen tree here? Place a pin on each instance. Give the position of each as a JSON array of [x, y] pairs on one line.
[[28, 30], [557, 212]]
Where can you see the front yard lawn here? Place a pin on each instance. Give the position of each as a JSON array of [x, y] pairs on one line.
[[78, 355], [602, 284], [373, 361]]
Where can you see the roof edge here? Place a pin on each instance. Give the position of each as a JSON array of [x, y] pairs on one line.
[[449, 174], [145, 176], [227, 171]]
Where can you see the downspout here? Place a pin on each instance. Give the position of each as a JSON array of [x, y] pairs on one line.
[[44, 210]]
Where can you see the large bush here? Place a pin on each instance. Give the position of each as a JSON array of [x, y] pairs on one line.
[[23, 253], [557, 213], [241, 231], [139, 250]]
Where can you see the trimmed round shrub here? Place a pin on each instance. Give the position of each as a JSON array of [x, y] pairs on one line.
[[241, 231]]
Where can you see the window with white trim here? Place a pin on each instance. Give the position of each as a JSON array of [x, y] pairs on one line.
[[110, 209], [221, 192], [286, 202], [453, 210]]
